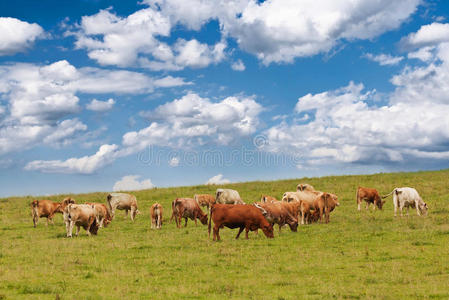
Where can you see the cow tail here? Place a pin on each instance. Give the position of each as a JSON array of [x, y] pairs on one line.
[[385, 196], [210, 219]]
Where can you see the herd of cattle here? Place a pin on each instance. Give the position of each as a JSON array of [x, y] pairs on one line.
[[225, 209]]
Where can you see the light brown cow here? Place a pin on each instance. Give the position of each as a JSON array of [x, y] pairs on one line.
[[241, 216], [188, 208], [81, 215], [369, 195], [268, 199], [47, 209], [313, 212], [122, 201], [278, 213], [205, 200], [103, 217], [156, 212]]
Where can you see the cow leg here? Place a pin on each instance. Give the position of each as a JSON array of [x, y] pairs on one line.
[[246, 232], [70, 230], [133, 213], [158, 222], [417, 209], [240, 231], [101, 222], [279, 225], [195, 220], [185, 224], [358, 205], [401, 207], [126, 213], [367, 206], [77, 230], [35, 220], [216, 235], [46, 222]]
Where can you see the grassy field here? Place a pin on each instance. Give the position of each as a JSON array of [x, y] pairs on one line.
[[358, 255]]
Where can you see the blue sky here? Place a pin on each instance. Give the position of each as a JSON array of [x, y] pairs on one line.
[[115, 95]]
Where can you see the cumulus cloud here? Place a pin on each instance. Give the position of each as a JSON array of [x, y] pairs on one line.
[[100, 106], [40, 97], [238, 66], [131, 183], [384, 59], [281, 30], [217, 179], [427, 35], [83, 165], [135, 41], [17, 36], [185, 122]]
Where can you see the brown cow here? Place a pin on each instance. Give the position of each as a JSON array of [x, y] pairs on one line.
[[81, 215], [188, 208], [205, 200], [370, 196], [305, 187], [314, 212], [156, 212], [103, 217], [278, 213], [47, 209], [240, 216], [268, 199]]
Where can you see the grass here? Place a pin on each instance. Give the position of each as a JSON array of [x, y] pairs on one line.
[[358, 255]]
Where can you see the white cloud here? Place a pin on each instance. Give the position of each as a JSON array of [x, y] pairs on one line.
[[238, 66], [425, 54], [17, 36], [64, 132], [427, 35], [217, 179], [83, 165], [134, 40], [41, 97], [185, 122], [281, 30], [100, 106], [170, 81], [174, 162], [131, 183], [384, 59]]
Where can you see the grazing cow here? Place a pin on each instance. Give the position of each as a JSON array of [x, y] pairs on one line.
[[369, 195], [47, 209], [204, 200], [268, 199], [407, 197], [81, 215], [122, 201], [279, 213], [156, 211], [103, 217], [315, 211], [228, 196], [247, 217], [188, 208], [304, 187]]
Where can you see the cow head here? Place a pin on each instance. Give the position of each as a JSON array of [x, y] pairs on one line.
[[203, 219], [380, 203], [304, 187], [423, 208], [268, 230], [66, 202], [293, 225]]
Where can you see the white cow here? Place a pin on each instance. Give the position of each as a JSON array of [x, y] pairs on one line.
[[122, 201], [406, 197], [228, 196]]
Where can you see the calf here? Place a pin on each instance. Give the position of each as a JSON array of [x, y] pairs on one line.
[[122, 201], [247, 217], [81, 215], [47, 209], [204, 200], [103, 217], [322, 206], [156, 211], [407, 197], [279, 213], [369, 195], [188, 208]]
